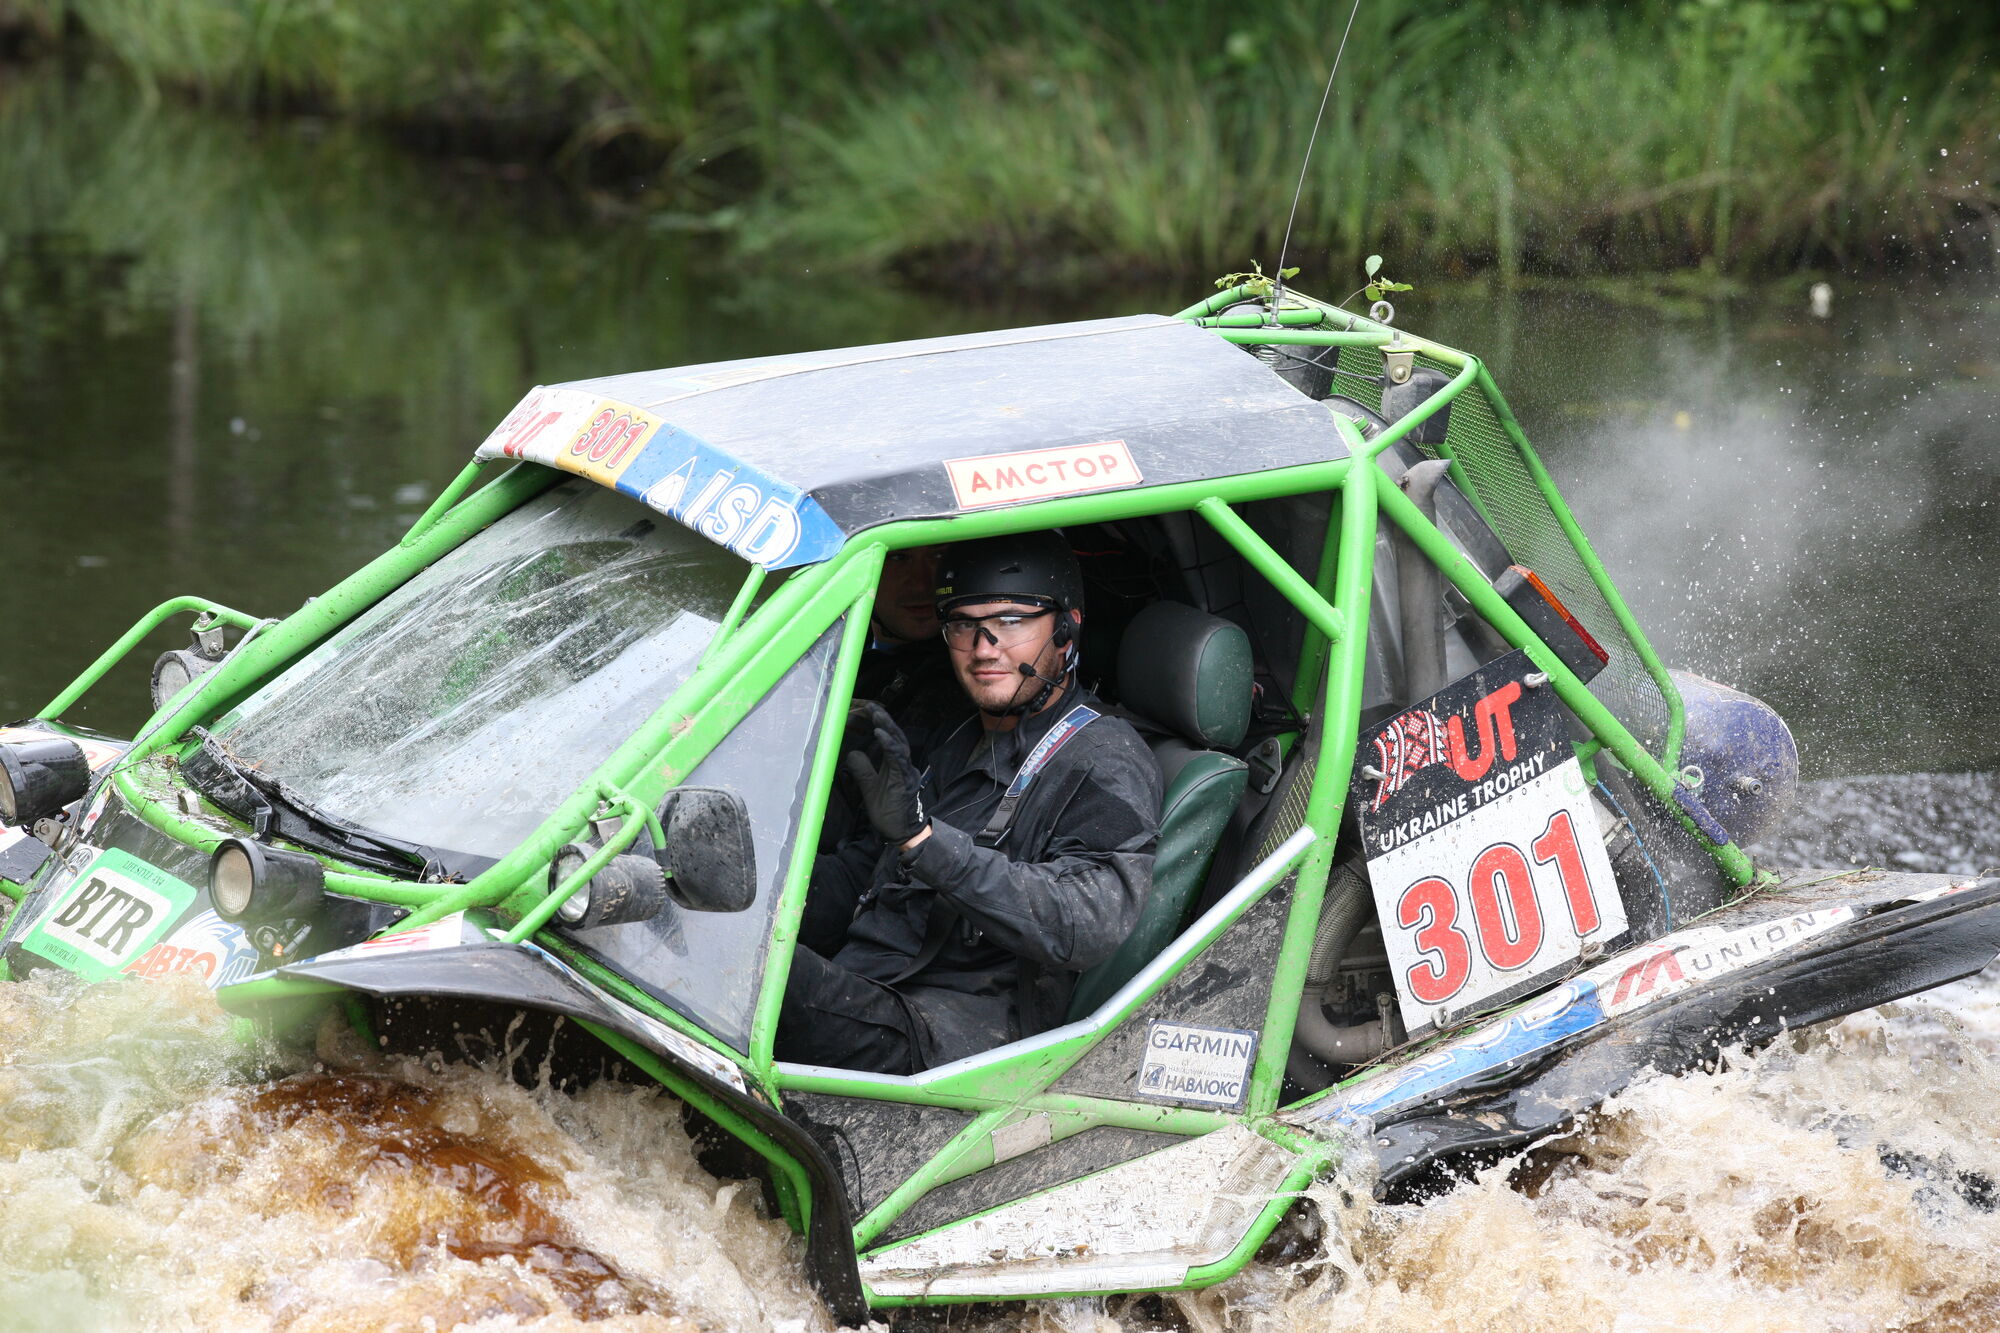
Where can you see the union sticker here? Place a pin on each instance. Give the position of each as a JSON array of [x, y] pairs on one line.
[[1037, 474]]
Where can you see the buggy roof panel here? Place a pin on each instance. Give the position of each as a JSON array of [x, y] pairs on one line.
[[781, 458]]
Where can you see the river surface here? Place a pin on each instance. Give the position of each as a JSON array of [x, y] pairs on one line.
[[238, 360]]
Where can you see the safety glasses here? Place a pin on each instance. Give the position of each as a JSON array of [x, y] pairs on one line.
[[1004, 630]]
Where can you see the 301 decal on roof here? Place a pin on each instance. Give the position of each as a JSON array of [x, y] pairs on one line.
[[669, 470]]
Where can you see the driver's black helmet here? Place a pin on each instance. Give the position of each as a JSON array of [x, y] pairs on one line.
[[1034, 567]]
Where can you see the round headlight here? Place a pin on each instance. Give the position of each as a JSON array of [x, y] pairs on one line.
[[568, 861], [630, 888], [232, 879], [174, 669], [250, 880], [40, 777]]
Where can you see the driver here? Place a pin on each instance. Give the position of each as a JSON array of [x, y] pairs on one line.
[[960, 918]]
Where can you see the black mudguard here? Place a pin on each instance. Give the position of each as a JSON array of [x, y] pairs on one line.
[[1885, 956]]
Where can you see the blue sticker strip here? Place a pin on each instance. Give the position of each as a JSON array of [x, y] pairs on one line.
[[1564, 1012], [729, 502]]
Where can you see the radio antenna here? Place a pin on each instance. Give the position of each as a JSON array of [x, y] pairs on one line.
[[1285, 246]]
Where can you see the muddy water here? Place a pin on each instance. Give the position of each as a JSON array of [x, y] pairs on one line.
[[158, 1172]]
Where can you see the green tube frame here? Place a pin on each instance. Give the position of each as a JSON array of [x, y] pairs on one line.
[[756, 643]]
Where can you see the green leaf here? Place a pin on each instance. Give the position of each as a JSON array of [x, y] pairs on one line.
[[1289, 273], [1373, 292], [1373, 266], [1388, 286]]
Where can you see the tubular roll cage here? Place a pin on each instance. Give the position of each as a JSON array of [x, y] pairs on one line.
[[753, 647]]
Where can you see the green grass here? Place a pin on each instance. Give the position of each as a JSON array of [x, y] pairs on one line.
[[1034, 140]]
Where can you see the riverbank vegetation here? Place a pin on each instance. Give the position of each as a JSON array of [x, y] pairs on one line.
[[1037, 139]]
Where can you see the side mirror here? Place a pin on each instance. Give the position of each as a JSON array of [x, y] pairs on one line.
[[710, 862]]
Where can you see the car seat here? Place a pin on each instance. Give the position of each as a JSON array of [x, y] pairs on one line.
[[1185, 679]]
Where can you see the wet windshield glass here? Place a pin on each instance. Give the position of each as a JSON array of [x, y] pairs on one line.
[[464, 707]]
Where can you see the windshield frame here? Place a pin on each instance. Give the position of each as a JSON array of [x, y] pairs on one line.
[[457, 709]]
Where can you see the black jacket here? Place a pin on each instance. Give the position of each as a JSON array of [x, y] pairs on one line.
[[1058, 895]]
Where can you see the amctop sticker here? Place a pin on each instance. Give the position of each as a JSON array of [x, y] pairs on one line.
[[1037, 474]]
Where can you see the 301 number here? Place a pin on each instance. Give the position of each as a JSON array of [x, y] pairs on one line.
[[609, 437], [1507, 925]]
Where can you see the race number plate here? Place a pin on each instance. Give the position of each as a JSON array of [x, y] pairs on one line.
[[1483, 849]]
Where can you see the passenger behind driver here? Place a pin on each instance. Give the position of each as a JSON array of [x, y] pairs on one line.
[[957, 922], [905, 669]]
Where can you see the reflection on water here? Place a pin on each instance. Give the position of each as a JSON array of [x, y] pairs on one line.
[[238, 359]]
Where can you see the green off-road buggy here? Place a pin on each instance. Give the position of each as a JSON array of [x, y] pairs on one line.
[[1447, 855]]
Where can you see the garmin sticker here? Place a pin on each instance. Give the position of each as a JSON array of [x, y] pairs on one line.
[[1197, 1066], [1037, 474], [113, 912]]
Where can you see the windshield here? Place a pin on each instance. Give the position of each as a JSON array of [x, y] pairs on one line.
[[462, 709]]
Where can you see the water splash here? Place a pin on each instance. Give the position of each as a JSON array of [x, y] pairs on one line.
[[159, 1172]]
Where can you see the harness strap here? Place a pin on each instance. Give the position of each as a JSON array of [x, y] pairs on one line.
[[1075, 720], [943, 916]]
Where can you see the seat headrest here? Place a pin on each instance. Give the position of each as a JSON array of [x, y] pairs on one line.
[[1190, 672]]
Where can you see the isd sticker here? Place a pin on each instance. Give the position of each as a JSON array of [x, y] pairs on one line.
[[113, 912], [1197, 1066]]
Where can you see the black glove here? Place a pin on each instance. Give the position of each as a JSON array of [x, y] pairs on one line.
[[883, 773]]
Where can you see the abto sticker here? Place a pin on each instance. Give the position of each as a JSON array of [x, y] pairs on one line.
[[206, 946], [111, 914], [1488, 870], [1196, 1066], [1037, 474]]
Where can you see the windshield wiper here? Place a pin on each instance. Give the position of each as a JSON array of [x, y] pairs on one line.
[[272, 807]]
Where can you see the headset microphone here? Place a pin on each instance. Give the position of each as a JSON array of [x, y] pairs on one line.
[[1028, 669]]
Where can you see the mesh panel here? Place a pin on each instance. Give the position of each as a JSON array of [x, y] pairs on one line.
[[1521, 515], [1358, 375], [1291, 816]]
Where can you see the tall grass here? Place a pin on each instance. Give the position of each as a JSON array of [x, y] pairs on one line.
[[1056, 138], [1553, 144]]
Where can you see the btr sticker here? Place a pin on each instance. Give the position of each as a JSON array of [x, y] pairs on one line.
[[1036, 474], [1197, 1066], [110, 915]]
